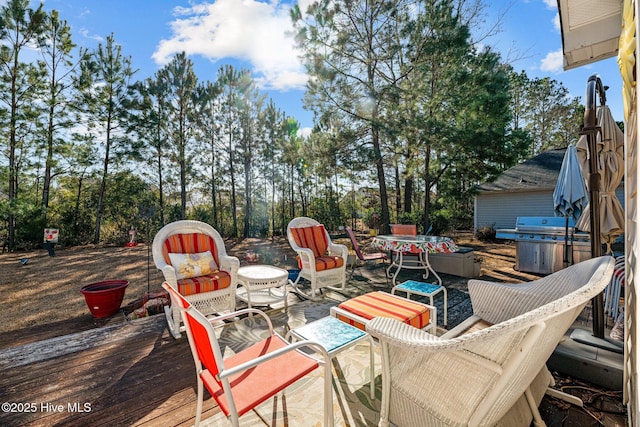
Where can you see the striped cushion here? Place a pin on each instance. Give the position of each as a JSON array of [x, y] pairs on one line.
[[325, 262], [382, 304], [212, 282], [314, 238], [190, 243]]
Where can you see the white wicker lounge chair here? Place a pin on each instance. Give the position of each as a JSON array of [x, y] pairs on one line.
[[321, 261], [211, 288], [491, 376]]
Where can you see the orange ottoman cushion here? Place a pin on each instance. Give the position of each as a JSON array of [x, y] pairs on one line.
[[382, 304]]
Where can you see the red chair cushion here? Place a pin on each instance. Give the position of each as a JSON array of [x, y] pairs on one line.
[[374, 304], [212, 282], [313, 237]]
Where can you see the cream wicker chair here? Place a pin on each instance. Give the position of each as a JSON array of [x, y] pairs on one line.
[[490, 376], [321, 261], [212, 290]]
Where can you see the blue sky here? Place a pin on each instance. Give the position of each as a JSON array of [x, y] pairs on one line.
[[251, 34]]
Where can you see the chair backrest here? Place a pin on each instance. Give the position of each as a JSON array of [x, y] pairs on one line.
[[186, 237], [202, 339], [304, 232], [354, 242], [404, 229]]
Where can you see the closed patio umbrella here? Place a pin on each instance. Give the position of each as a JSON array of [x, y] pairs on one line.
[[600, 150], [570, 196], [610, 164]]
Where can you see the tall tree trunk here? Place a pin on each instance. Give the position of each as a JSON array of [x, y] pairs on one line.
[[398, 190], [232, 173], [214, 205], [384, 204], [248, 212], [427, 188], [408, 194], [103, 184]]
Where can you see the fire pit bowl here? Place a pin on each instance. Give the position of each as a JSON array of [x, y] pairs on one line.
[[104, 298]]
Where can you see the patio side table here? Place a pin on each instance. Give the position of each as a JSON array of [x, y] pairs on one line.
[[429, 290], [335, 336], [262, 285]]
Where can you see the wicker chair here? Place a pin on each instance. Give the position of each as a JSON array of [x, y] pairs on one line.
[[488, 376], [321, 261], [210, 290]]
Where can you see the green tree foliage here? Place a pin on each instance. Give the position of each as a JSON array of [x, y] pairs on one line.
[[410, 114], [20, 85], [103, 88]]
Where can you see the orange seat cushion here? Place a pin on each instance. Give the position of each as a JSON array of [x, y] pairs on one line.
[[254, 386], [212, 282], [313, 237], [382, 304], [325, 262]]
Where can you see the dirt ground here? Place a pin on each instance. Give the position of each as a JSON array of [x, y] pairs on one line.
[[46, 290]]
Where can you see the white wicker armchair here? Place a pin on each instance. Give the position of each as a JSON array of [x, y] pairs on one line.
[[323, 262], [491, 376], [212, 292]]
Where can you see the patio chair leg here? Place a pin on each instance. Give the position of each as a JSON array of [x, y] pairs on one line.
[[174, 327], [199, 404], [537, 418]]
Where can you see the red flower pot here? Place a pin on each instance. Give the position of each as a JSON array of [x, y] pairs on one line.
[[104, 298]]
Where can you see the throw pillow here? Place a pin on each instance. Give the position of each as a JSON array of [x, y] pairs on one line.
[[193, 265]]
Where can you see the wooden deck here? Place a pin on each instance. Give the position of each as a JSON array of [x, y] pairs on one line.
[[112, 376], [118, 373]]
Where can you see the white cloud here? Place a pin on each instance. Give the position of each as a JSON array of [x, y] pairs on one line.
[[552, 62], [551, 4], [85, 33], [556, 22], [251, 30], [305, 132]]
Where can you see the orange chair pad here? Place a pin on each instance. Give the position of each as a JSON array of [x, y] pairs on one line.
[[325, 262], [254, 386], [382, 304], [212, 282]]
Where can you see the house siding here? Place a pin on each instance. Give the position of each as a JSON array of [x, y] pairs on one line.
[[501, 209]]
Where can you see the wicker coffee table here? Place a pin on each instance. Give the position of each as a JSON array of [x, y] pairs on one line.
[[262, 285]]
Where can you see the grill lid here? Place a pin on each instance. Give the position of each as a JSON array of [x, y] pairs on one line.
[[543, 224]]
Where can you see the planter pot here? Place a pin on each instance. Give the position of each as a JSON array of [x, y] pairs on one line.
[[104, 298]]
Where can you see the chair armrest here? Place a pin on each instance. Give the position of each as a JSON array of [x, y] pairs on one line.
[[169, 274], [386, 329], [229, 264], [458, 351], [307, 258], [315, 346], [338, 249], [239, 313]]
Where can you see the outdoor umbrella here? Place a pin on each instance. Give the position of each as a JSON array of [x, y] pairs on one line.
[[610, 164], [570, 196]]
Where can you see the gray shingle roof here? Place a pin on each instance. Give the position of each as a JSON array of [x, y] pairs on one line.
[[538, 173]]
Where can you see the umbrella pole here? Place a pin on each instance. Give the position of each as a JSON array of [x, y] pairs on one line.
[[590, 129], [566, 241]]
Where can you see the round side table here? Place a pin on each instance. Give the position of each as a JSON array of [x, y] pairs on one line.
[[262, 285]]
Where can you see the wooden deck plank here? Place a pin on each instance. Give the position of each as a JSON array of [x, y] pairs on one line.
[[141, 378]]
